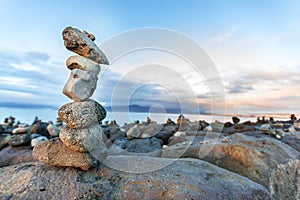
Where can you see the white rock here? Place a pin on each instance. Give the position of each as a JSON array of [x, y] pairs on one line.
[[38, 140], [180, 133], [80, 85], [53, 129], [265, 127], [208, 128], [79, 62]]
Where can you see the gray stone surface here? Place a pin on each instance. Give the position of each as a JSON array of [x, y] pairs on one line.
[[82, 114], [83, 140], [80, 85], [81, 44], [262, 159], [79, 62], [182, 179], [19, 140], [54, 152]]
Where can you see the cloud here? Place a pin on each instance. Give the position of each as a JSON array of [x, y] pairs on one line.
[[225, 36], [239, 89]]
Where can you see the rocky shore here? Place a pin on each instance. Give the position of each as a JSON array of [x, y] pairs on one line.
[[182, 159], [79, 157]]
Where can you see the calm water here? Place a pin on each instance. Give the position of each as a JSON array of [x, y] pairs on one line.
[[27, 116]]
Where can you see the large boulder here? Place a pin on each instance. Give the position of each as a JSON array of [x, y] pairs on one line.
[[260, 158], [180, 179]]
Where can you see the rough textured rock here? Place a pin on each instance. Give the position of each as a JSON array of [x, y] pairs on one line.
[[19, 140], [293, 140], [256, 157], [54, 152], [82, 114], [139, 145], [80, 85], [83, 140], [4, 139], [79, 62], [143, 131], [175, 140], [182, 179], [81, 44], [164, 135], [15, 155]]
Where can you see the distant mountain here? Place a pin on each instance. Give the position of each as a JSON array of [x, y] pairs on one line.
[[138, 108]]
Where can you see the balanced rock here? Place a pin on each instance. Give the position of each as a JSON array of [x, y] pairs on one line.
[[54, 152], [81, 44], [83, 140], [79, 62], [82, 114], [80, 85]]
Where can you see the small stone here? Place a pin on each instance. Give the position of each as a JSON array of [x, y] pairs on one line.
[[80, 85], [82, 114], [81, 44], [79, 62], [54, 152], [82, 140], [53, 129], [236, 120], [21, 130], [19, 140], [38, 140], [91, 36]]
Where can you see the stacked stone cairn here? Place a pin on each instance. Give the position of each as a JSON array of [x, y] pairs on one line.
[[80, 143]]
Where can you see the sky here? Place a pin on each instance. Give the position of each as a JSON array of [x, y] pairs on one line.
[[254, 46]]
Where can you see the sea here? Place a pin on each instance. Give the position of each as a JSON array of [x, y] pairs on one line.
[[27, 116]]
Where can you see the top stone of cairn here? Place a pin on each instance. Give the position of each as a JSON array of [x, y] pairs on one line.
[[80, 43]]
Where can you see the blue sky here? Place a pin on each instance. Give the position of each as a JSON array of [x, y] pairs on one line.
[[255, 45]]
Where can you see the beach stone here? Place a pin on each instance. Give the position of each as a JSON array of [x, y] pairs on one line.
[[38, 140], [181, 179], [54, 152], [19, 140], [78, 42], [143, 131], [83, 140], [139, 145], [236, 120], [164, 135], [80, 85], [21, 130], [4, 139], [53, 129], [79, 62], [15, 155], [82, 114]]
